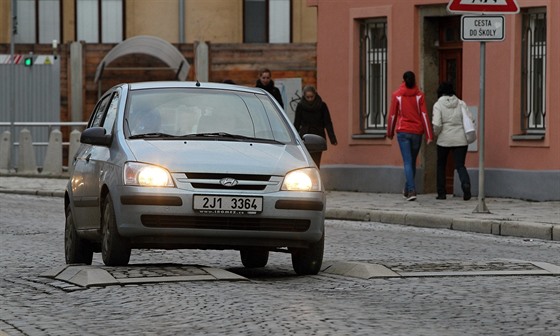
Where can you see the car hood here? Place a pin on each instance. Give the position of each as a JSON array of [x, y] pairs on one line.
[[220, 156]]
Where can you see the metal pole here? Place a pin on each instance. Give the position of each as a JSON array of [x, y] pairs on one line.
[[181, 21], [481, 207], [12, 84]]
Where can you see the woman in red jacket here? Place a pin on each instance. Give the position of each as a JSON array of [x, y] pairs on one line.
[[408, 117]]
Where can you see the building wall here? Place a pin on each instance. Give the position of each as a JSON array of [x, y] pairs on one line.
[[153, 17], [217, 21], [5, 26], [376, 164]]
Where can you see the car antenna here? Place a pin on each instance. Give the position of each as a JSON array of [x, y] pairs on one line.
[[197, 83]]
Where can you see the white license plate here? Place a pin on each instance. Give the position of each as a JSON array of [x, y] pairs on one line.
[[227, 204]]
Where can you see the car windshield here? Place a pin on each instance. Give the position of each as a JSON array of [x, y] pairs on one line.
[[204, 113]]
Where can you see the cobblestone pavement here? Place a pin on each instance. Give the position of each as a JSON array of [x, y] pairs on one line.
[[274, 300]]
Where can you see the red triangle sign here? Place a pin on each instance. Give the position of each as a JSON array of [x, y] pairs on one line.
[[483, 6]]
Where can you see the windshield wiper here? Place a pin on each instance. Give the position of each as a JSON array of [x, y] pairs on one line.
[[151, 135], [230, 136]]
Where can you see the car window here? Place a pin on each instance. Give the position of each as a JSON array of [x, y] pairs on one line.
[[99, 112], [111, 113], [194, 111]]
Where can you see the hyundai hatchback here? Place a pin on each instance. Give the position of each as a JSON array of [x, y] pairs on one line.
[[189, 165]]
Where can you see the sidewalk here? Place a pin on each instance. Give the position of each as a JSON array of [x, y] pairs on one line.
[[507, 217]]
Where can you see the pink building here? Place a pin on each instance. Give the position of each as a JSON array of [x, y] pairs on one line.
[[364, 47]]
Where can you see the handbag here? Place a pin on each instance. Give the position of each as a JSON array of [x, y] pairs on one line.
[[468, 125]]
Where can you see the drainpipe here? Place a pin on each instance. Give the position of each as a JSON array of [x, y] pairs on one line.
[[181, 21]]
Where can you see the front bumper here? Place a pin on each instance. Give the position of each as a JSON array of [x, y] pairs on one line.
[[164, 218]]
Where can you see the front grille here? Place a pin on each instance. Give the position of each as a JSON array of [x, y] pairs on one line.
[[250, 182], [226, 223], [214, 176], [221, 187]]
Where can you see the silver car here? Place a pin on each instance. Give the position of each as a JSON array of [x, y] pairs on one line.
[[189, 165]]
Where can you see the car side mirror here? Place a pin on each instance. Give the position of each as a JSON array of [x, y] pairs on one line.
[[314, 143], [96, 136]]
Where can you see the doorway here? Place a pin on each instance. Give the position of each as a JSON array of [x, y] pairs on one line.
[[450, 55]]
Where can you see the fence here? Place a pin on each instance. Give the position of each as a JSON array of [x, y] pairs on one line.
[[51, 153]]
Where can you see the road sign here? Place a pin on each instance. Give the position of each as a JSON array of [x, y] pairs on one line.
[[483, 6], [482, 28]]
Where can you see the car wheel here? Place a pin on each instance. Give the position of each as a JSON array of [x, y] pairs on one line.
[[115, 250], [307, 261], [254, 257], [76, 249]]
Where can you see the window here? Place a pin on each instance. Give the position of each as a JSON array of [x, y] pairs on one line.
[[38, 21], [373, 76], [111, 114], [99, 112], [267, 21], [99, 21], [533, 72]]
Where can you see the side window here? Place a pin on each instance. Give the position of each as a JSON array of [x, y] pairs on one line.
[[111, 113], [373, 76], [267, 21], [99, 112], [39, 21], [533, 72], [99, 21]]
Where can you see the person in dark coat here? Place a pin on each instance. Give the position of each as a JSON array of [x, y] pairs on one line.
[[313, 117], [266, 83]]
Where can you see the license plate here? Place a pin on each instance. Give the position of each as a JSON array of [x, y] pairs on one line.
[[227, 204]]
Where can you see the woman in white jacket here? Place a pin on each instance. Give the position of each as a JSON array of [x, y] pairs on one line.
[[447, 122]]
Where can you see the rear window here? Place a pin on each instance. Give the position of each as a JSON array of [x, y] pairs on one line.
[[180, 112]]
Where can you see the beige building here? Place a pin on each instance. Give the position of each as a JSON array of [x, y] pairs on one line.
[[176, 21]]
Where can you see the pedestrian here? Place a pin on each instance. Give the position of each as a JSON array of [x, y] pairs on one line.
[[447, 121], [312, 116], [266, 83], [408, 118]]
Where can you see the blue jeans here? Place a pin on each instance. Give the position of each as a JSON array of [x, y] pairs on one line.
[[410, 147]]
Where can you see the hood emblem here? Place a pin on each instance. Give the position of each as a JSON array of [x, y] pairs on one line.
[[228, 182]]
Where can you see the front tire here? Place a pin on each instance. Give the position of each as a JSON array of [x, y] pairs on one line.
[[76, 249], [254, 257], [307, 261], [115, 250]]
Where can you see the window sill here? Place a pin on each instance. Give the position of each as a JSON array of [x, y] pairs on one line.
[[368, 136], [527, 137]]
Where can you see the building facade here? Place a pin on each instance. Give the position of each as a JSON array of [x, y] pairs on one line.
[[176, 21], [363, 49]]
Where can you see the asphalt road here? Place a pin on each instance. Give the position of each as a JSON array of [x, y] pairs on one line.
[[274, 301]]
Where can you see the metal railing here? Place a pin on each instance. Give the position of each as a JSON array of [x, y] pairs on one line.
[[51, 126], [40, 147]]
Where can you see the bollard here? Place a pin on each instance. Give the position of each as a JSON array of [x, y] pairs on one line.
[[53, 159], [26, 160], [74, 145], [5, 152]]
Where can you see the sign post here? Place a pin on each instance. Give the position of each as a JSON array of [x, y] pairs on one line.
[[482, 28]]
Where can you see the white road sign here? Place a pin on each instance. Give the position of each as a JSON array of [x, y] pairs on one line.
[[482, 28]]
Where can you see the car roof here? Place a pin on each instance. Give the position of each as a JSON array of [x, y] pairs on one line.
[[190, 84]]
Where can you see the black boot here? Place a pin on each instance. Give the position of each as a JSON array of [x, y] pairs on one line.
[[466, 192]]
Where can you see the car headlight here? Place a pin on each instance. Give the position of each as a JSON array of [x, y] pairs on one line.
[[307, 179], [146, 175]]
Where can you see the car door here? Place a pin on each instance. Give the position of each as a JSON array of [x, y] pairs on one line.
[[89, 164]]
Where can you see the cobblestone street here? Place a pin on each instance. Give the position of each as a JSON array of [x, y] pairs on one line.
[[274, 300]]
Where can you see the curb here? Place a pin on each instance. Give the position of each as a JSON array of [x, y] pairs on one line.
[[495, 227], [33, 192]]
